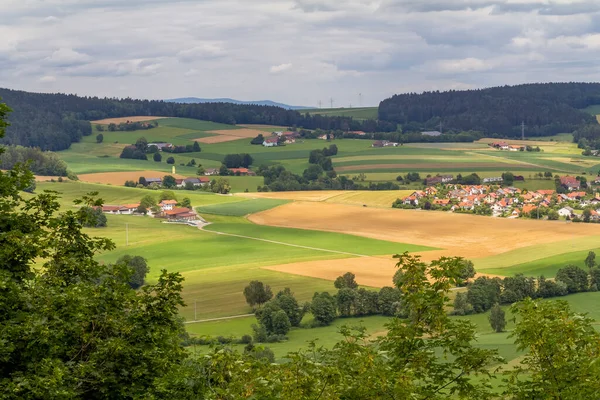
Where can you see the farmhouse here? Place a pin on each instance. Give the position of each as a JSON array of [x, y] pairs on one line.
[[113, 209], [359, 133], [211, 171], [596, 181], [516, 148], [181, 214], [434, 180], [570, 182], [167, 205], [242, 171], [154, 180], [384, 143], [271, 142], [566, 212], [161, 145], [493, 179]]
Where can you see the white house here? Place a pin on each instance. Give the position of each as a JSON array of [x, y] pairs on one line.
[[271, 142], [167, 205], [494, 179], [565, 212]]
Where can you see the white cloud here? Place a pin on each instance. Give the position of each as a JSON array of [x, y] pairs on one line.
[[277, 69], [47, 79], [314, 49]]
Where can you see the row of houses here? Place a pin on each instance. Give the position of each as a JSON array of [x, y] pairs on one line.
[[510, 201], [182, 182], [507, 147], [384, 143], [287, 137]]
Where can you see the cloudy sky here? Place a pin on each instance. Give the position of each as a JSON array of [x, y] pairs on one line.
[[293, 51]]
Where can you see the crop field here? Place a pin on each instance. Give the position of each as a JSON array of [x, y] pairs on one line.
[[239, 209], [359, 113], [119, 178], [467, 236]]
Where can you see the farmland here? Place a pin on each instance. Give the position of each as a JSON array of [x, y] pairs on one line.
[[358, 113]]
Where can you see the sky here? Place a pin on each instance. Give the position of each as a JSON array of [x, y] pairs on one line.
[[300, 52]]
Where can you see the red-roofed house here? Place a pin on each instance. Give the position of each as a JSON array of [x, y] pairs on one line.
[[570, 182], [167, 205]]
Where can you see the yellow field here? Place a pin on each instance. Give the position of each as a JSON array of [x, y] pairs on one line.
[[468, 236], [383, 198], [119, 178], [125, 119]]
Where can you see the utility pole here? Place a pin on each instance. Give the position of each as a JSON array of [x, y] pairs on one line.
[[441, 127], [331, 102], [350, 105], [195, 309], [320, 103], [360, 99], [126, 234], [523, 130]]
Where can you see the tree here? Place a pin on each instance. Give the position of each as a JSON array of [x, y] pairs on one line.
[[587, 215], [461, 305], [508, 178], [553, 215], [468, 271], [322, 308], [483, 293], [139, 268], [146, 203], [220, 185], [169, 182], [186, 203], [100, 128], [200, 170], [562, 351], [196, 147], [142, 181], [157, 157], [389, 300], [85, 311], [287, 302], [346, 299], [170, 160], [258, 139], [313, 172], [92, 217], [346, 281], [574, 277], [257, 293], [141, 144], [281, 323], [590, 260], [99, 137], [497, 318], [167, 195]]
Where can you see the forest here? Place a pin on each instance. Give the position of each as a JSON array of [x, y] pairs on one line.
[[54, 121], [546, 109]]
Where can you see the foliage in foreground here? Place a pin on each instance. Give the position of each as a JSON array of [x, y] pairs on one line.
[[75, 329]]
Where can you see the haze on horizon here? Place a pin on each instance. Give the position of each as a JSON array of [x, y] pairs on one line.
[[293, 51]]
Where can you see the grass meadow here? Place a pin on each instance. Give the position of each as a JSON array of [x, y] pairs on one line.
[[359, 113], [239, 209]]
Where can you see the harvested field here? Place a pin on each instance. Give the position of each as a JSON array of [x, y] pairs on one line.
[[125, 119], [217, 139], [460, 235], [119, 178], [383, 198], [440, 166], [369, 271], [228, 135], [316, 195]]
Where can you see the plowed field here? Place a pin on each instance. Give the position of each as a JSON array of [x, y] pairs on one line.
[[125, 119]]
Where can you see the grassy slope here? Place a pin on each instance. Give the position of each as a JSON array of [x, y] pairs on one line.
[[241, 208], [328, 336], [217, 267]]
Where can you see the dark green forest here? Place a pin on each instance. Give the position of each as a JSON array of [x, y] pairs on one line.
[[54, 121], [546, 109]]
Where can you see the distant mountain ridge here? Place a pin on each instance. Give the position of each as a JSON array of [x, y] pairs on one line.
[[197, 100]]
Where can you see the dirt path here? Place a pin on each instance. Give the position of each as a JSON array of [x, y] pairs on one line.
[[219, 319]]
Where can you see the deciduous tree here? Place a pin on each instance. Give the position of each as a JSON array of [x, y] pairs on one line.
[[497, 318], [257, 293]]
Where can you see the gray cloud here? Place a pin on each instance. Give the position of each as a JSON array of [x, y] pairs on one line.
[[297, 51]]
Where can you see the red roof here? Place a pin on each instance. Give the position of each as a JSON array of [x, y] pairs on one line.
[[165, 202], [177, 211], [240, 170]]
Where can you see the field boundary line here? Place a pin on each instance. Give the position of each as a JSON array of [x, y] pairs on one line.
[[286, 244], [219, 318]]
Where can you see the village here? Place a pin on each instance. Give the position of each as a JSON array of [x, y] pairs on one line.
[[508, 202]]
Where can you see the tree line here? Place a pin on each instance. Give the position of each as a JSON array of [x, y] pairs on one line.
[[546, 109], [54, 121]]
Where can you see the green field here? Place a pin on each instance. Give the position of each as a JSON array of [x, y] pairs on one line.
[[239, 209], [359, 113], [375, 325]]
